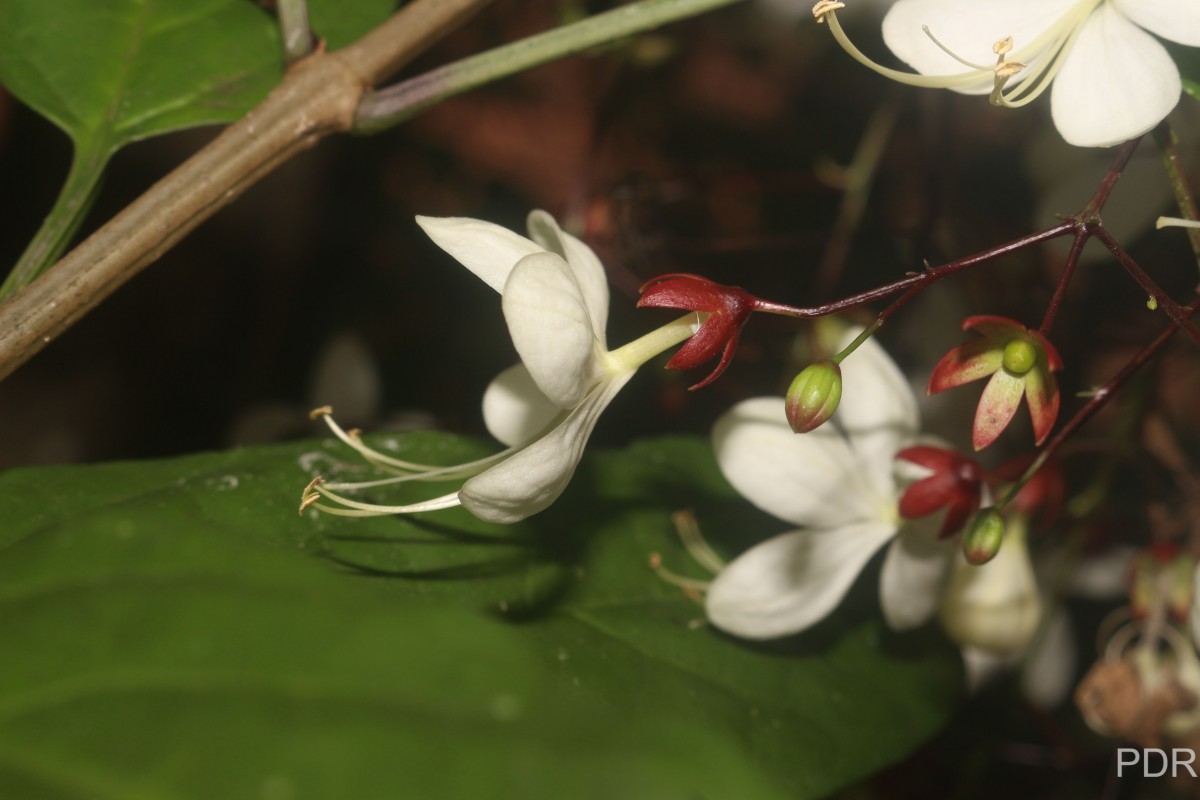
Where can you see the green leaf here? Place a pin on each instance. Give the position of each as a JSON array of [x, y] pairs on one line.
[[340, 22], [120, 70], [173, 629], [112, 72]]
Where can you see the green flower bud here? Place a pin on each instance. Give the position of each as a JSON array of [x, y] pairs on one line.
[[984, 536], [1019, 356], [814, 396]]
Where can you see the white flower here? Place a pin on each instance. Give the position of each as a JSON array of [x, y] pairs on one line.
[[1112, 80], [837, 482], [995, 607], [1047, 659], [554, 295]]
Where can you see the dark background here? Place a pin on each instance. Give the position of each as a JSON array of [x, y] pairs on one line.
[[704, 148]]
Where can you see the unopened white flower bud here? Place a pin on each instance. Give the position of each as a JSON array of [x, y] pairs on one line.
[[995, 607]]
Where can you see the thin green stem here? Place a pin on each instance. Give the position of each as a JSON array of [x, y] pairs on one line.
[[388, 107], [856, 190], [294, 28], [867, 333], [73, 203], [1169, 144]]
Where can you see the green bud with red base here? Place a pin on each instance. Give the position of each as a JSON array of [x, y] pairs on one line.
[[814, 396], [983, 537]]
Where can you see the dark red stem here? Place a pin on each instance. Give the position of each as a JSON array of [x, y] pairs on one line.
[[1060, 291], [1095, 403], [1091, 213], [916, 281], [1178, 314]]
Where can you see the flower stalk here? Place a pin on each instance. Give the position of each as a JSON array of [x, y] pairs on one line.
[[388, 107]]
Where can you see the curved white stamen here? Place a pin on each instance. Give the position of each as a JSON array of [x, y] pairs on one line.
[[1175, 222], [436, 504], [411, 469], [1049, 49], [951, 53], [695, 543], [693, 587]]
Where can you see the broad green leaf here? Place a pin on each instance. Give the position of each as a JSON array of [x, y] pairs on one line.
[[120, 70], [175, 630], [109, 72]]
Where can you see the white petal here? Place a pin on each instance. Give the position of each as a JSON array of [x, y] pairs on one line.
[[878, 410], [514, 409], [1103, 576], [586, 267], [812, 479], [968, 28], [1174, 20], [995, 607], [1145, 194], [914, 576], [550, 327], [534, 477], [1049, 672], [1194, 612], [1116, 83], [792, 581], [488, 250], [982, 667]]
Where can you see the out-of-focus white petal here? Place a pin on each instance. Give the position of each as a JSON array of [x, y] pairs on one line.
[[550, 327], [914, 575], [488, 250], [792, 581], [878, 410], [1103, 576], [995, 607], [1187, 721], [1049, 672], [1066, 174], [982, 667], [1194, 612], [588, 270], [969, 28], [514, 408], [1116, 83], [533, 478], [1174, 20], [812, 479]]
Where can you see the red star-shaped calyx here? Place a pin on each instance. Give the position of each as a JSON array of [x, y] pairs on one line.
[[728, 309]]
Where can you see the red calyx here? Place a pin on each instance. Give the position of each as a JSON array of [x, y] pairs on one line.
[[1045, 492], [955, 485], [728, 307]]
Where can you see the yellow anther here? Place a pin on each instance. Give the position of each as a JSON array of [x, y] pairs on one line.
[[824, 7], [323, 411], [1003, 46], [1006, 69]]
